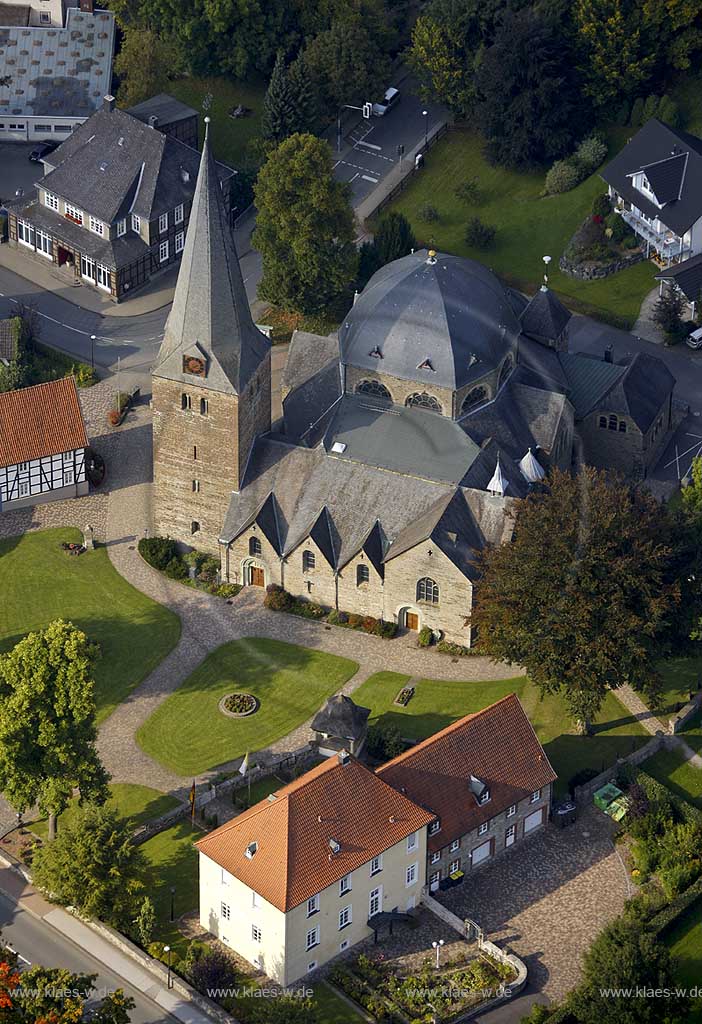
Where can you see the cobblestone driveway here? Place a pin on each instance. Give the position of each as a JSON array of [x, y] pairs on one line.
[[549, 900]]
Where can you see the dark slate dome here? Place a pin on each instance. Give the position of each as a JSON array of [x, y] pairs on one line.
[[442, 320]]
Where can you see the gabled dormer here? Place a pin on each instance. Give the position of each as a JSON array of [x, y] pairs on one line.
[[662, 181]]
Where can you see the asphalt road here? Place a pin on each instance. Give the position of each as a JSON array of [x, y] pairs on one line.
[[38, 943]]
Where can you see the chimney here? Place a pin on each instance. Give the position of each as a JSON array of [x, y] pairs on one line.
[[108, 103], [153, 121], [344, 757], [608, 354], [87, 6]]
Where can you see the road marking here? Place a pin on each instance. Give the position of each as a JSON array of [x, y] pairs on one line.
[[337, 164], [369, 144], [354, 177], [367, 177]]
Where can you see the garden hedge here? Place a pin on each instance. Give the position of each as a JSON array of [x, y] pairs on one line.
[[677, 906], [655, 790]]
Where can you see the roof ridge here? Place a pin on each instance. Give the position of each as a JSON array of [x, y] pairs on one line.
[[69, 378]]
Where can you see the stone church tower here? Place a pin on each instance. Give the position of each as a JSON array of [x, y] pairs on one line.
[[211, 381]]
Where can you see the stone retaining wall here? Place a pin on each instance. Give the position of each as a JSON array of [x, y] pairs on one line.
[[589, 271], [680, 720], [584, 793]]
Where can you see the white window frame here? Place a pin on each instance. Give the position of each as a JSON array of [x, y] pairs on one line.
[[256, 933], [435, 827], [411, 874], [136, 223], [256, 901], [224, 877], [376, 865], [25, 233], [511, 811], [23, 489], [375, 896], [163, 250], [535, 796], [455, 845], [179, 242], [435, 857], [51, 200], [412, 842], [313, 905], [69, 477], [96, 226], [344, 944], [23, 467], [178, 214], [73, 214], [311, 966], [484, 828], [455, 865], [345, 885], [435, 877], [345, 916], [312, 938], [225, 911], [89, 265], [43, 244], [485, 797], [103, 277], [163, 223], [121, 227]]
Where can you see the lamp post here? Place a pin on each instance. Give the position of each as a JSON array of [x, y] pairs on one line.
[[437, 946], [172, 903], [425, 114], [167, 949], [92, 350]]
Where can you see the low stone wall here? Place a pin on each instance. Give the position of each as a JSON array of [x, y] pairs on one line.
[[584, 793], [589, 271], [678, 721]]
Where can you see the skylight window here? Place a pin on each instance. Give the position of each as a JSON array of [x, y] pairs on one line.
[[426, 365], [338, 448], [251, 850]]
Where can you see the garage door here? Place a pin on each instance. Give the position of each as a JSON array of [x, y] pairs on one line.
[[481, 853], [533, 820]]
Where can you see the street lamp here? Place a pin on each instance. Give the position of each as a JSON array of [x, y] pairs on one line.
[[437, 946], [426, 127], [167, 949], [92, 350], [172, 903]]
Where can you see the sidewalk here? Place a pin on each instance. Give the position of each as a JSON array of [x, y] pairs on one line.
[[21, 892]]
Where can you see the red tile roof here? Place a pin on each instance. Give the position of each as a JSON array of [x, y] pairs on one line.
[[343, 802], [497, 745], [45, 419]]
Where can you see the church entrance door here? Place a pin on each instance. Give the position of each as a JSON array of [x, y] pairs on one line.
[[256, 577], [412, 621]]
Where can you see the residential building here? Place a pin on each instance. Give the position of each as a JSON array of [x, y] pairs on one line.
[[42, 445], [341, 725], [113, 208], [301, 876], [55, 67], [655, 182], [404, 440], [488, 783], [170, 116]]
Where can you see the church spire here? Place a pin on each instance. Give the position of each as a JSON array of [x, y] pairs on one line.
[[210, 321]]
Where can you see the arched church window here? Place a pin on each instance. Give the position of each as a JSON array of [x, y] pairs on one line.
[[421, 400], [475, 397], [375, 388], [203, 407], [185, 401], [505, 370], [362, 574], [254, 546], [428, 590], [613, 422]]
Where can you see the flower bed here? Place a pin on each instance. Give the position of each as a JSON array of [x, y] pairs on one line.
[[404, 696], [163, 553], [279, 600], [239, 705]]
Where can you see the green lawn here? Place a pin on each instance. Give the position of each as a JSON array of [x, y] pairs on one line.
[[692, 733], [188, 734], [40, 582], [138, 804], [528, 227], [684, 940], [331, 1008], [437, 703], [172, 862], [682, 778], [230, 137], [680, 675]]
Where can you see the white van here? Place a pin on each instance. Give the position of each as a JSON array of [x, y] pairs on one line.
[[389, 100]]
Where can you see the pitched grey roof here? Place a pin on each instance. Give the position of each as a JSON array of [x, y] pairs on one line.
[[312, 375], [545, 317], [74, 70], [522, 416], [666, 177], [589, 379], [540, 366], [341, 717], [210, 309], [113, 164], [401, 439], [641, 390], [166, 108], [653, 143], [445, 321], [687, 276]]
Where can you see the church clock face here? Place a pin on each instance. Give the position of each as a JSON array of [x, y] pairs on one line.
[[191, 364]]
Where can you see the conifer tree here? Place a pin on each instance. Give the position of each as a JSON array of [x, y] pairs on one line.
[[279, 112]]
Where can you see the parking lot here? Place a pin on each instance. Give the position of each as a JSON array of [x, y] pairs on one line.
[[16, 170]]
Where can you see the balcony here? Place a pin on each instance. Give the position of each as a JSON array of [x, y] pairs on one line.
[[668, 246]]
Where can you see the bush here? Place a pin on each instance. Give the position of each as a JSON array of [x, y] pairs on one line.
[[157, 951], [113, 417], [623, 113], [590, 153], [468, 191], [384, 742], [355, 621], [428, 213], [458, 650], [335, 618], [669, 112], [562, 177], [662, 920], [369, 624], [158, 551], [479, 235], [176, 569], [214, 969], [636, 119], [209, 567], [194, 559], [425, 637], [650, 108], [601, 205], [227, 590], [675, 878], [277, 599], [620, 228], [387, 630]]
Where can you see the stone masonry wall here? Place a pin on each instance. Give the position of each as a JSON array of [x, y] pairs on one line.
[[632, 453], [455, 591], [316, 584], [366, 599], [399, 389]]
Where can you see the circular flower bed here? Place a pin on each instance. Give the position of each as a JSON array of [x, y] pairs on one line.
[[238, 705]]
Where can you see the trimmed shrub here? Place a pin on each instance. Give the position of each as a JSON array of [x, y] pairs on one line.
[[562, 177], [176, 569], [669, 112], [425, 637], [664, 918], [387, 630], [335, 618], [458, 650], [590, 153], [478, 234], [369, 624], [384, 742], [355, 621], [468, 191], [636, 119], [428, 213], [277, 599], [620, 228], [601, 205], [227, 590], [650, 108], [158, 551]]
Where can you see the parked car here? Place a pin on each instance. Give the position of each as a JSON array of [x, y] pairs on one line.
[[389, 100], [42, 150], [694, 340]]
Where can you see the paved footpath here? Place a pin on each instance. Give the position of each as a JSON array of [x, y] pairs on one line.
[[208, 622]]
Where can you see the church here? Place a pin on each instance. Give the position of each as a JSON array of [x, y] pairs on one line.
[[404, 438]]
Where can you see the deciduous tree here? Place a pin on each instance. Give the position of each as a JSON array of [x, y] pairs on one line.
[[346, 65], [581, 595], [144, 64], [304, 230], [47, 721], [617, 59]]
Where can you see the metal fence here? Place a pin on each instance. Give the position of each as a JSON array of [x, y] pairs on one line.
[[412, 168]]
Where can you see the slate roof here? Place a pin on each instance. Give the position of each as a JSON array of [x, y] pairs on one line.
[[653, 144], [45, 419], [687, 276], [57, 72], [344, 803], [496, 746], [522, 416], [452, 312], [112, 165], [8, 341], [636, 389], [210, 308], [589, 379], [342, 718], [545, 317], [166, 108], [312, 376]]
